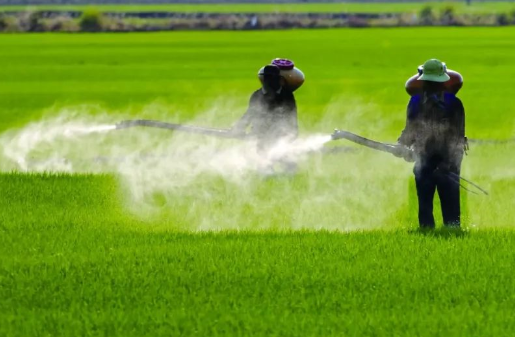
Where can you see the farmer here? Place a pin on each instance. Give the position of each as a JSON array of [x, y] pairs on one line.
[[272, 111], [271, 117], [435, 131]]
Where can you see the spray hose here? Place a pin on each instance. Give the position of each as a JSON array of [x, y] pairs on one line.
[[399, 150]]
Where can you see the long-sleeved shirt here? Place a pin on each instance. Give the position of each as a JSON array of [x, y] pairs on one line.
[[270, 116], [435, 128]]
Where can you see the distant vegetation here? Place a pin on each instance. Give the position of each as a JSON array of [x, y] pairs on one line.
[[91, 19], [74, 16]]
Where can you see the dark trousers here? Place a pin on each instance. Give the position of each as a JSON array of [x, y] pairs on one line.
[[429, 180]]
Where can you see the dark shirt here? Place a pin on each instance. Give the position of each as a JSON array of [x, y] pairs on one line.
[[435, 128], [270, 115]]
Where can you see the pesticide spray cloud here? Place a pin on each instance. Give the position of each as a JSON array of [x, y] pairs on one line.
[[147, 161], [205, 183], [18, 147]]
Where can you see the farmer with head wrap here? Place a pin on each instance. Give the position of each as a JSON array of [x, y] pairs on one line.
[[272, 112]]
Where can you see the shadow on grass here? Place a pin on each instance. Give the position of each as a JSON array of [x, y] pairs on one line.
[[444, 232]]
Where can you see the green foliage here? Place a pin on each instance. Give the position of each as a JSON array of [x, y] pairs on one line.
[[447, 15], [3, 22], [30, 22], [91, 20], [426, 15], [503, 19]]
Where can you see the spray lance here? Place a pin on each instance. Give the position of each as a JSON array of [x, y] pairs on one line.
[[398, 150], [220, 133]]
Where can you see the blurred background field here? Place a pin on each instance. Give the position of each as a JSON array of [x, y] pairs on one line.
[[103, 16]]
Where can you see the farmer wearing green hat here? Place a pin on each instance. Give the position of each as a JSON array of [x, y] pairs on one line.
[[435, 131]]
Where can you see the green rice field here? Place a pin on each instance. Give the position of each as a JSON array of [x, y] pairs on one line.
[[177, 242]]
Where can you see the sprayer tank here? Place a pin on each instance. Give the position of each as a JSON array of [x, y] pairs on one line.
[[293, 76]]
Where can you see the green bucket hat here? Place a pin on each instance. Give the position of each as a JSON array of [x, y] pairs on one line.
[[435, 71]]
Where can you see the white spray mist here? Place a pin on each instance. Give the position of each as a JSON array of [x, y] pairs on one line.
[[163, 171], [148, 161]]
